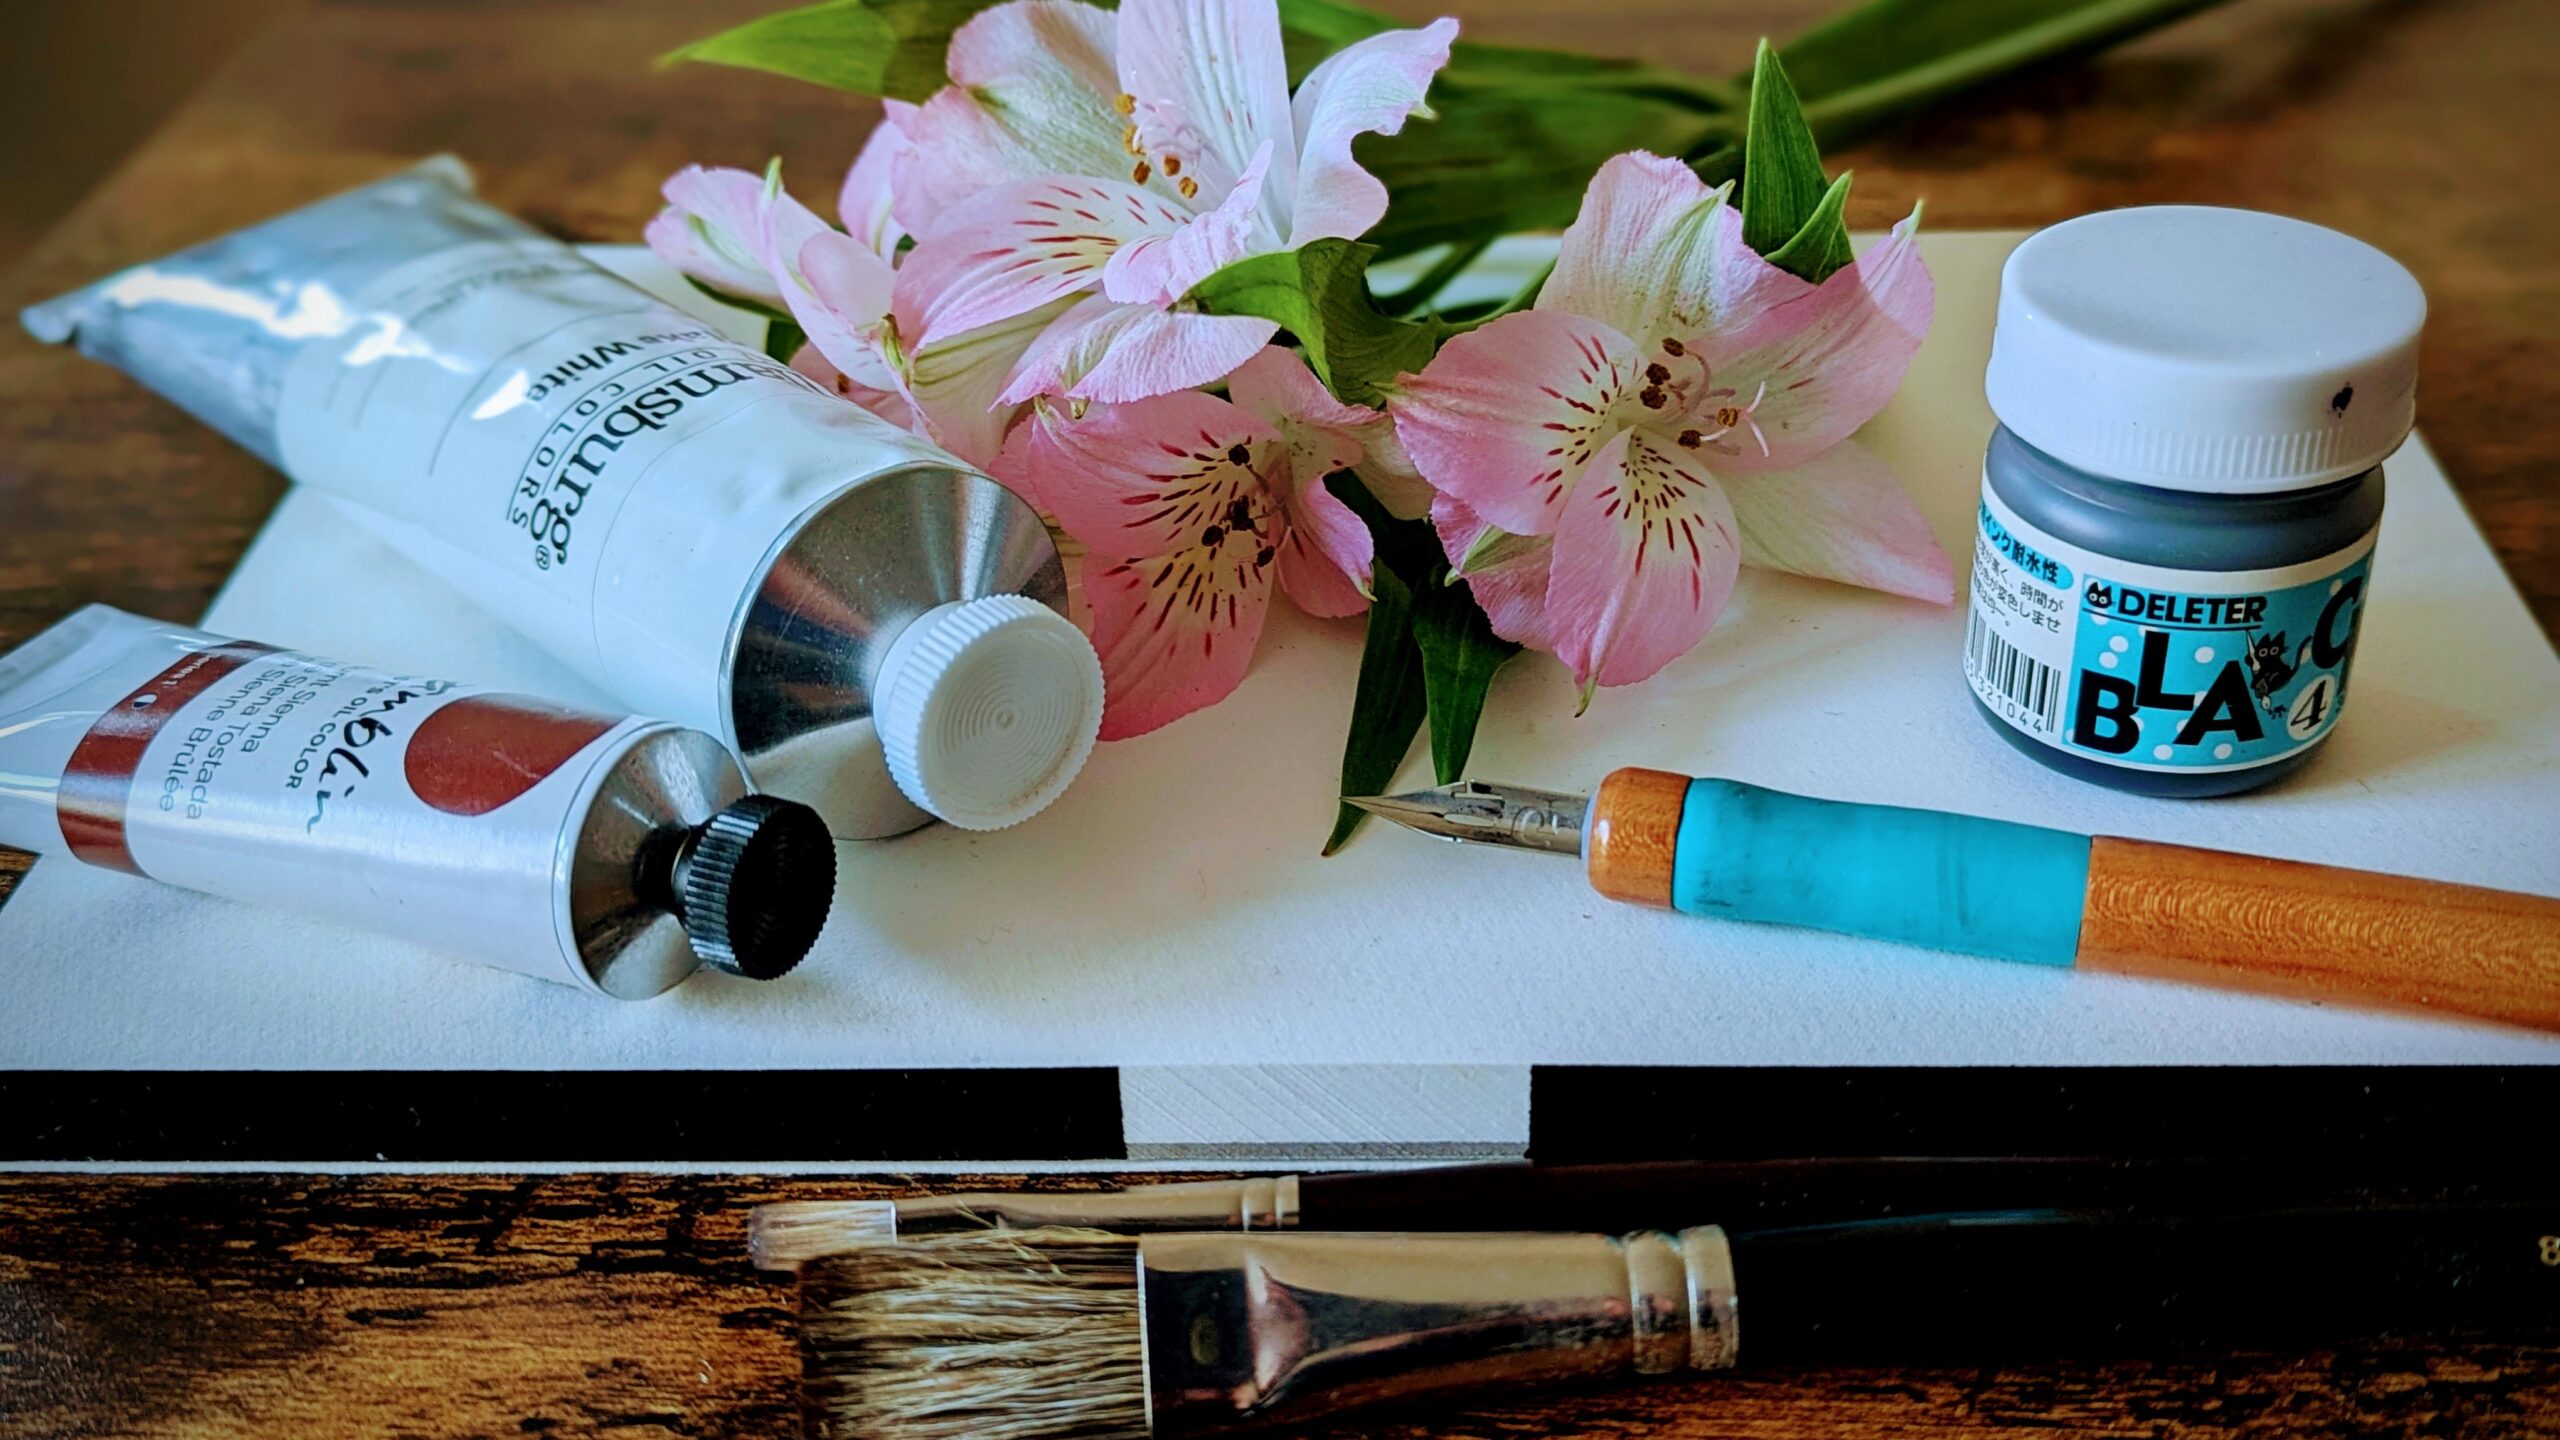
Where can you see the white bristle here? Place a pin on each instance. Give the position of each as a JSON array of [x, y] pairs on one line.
[[1020, 1335], [787, 1235]]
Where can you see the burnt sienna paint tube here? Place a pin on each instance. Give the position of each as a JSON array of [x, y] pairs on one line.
[[699, 530], [606, 852]]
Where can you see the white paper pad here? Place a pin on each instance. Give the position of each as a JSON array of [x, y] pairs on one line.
[[1172, 911]]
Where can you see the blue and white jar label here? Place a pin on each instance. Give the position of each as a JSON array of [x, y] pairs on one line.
[[2147, 668]]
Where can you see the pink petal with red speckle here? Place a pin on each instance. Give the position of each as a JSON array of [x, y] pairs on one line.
[[1510, 586], [1160, 269], [1324, 434], [1119, 353], [1821, 365], [1182, 534], [1020, 246], [1644, 561], [1150, 478], [1504, 418]]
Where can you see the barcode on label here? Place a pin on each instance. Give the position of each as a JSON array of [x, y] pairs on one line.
[[2034, 687]]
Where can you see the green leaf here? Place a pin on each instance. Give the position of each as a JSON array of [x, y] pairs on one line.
[[1319, 293], [1514, 141], [1388, 707], [1822, 246], [783, 336], [1783, 187], [1891, 55], [892, 48], [1460, 654], [1310, 30], [783, 339]]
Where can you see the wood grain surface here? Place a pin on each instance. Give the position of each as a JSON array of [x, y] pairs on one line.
[[1634, 834], [2208, 917], [506, 1306], [264, 1307]]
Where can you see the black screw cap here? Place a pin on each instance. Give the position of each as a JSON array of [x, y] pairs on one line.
[[753, 885]]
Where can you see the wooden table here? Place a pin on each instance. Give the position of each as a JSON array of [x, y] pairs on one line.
[[496, 1305]]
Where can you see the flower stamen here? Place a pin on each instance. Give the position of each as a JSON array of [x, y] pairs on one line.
[[1730, 417]]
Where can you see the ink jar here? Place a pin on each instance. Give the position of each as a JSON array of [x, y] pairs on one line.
[[2173, 550]]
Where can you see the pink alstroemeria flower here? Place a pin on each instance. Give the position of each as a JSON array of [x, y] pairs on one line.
[[1113, 159], [713, 228], [744, 235], [1673, 407], [1190, 508]]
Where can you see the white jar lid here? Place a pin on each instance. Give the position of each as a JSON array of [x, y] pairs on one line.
[[2194, 348], [987, 708]]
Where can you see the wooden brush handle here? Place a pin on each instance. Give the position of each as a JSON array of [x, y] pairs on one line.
[[1812, 1190], [2205, 917], [1997, 1287], [1995, 888]]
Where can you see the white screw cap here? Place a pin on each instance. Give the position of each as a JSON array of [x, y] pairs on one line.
[[2194, 348], [987, 708]]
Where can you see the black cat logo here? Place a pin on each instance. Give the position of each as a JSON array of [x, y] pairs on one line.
[[2270, 669]]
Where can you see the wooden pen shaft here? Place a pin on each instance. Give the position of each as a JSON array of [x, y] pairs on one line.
[[2207, 917], [2020, 892]]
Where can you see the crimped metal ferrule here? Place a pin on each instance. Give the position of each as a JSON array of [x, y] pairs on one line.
[[1253, 1329]]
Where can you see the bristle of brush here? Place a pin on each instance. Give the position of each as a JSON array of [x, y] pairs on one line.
[[1006, 1335], [787, 1235]]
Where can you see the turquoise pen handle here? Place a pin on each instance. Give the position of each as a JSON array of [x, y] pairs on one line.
[[1921, 877], [2049, 897]]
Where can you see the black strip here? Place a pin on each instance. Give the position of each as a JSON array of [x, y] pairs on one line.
[[636, 1116], [1592, 1114]]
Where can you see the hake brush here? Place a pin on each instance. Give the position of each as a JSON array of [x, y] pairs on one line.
[[1608, 1198], [1081, 1335], [1995, 888]]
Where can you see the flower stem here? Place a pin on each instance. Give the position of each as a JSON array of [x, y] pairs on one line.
[[1527, 296], [1436, 279]]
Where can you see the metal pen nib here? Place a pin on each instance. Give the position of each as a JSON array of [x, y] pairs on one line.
[[1512, 815]]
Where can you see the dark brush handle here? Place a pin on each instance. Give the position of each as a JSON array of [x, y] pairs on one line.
[[2021, 1285], [1747, 1194]]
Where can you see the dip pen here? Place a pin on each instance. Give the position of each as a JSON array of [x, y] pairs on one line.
[[2008, 891]]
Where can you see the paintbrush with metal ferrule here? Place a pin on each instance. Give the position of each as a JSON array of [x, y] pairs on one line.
[[2021, 892], [1083, 1335], [1617, 1198]]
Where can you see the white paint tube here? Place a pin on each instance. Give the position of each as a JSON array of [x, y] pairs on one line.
[[605, 852], [696, 528]]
